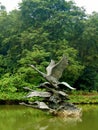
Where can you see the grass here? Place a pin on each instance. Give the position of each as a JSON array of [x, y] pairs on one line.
[[12, 95], [15, 97], [78, 97], [84, 97]]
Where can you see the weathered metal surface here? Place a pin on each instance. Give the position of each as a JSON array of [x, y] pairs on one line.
[[38, 94], [41, 105], [54, 72], [54, 98]]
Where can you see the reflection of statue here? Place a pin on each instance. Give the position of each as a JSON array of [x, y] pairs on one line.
[[54, 73], [54, 97]]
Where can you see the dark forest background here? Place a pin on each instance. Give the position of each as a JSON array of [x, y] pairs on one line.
[[41, 30]]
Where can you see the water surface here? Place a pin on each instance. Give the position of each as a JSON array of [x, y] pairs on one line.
[[24, 118]]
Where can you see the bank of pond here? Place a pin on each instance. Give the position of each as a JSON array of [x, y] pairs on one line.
[[76, 97]]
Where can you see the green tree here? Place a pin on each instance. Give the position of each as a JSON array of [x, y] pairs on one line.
[[45, 30], [88, 52]]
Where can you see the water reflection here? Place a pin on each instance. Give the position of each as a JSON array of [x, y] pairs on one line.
[[24, 118], [57, 124]]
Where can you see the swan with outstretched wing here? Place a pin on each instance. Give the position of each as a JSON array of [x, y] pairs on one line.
[[54, 72]]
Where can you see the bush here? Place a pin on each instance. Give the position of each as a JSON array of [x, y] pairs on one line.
[[12, 83]]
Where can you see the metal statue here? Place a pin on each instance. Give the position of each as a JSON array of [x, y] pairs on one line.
[[54, 72], [53, 97]]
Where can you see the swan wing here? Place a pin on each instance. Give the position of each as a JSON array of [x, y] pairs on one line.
[[58, 68]]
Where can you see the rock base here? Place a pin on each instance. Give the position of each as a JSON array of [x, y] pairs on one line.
[[69, 111]]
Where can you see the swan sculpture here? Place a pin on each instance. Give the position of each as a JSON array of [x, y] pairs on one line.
[[54, 73]]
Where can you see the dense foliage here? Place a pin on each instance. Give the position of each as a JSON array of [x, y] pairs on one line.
[[41, 30]]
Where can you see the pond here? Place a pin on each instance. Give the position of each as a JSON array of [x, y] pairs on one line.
[[16, 117]]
